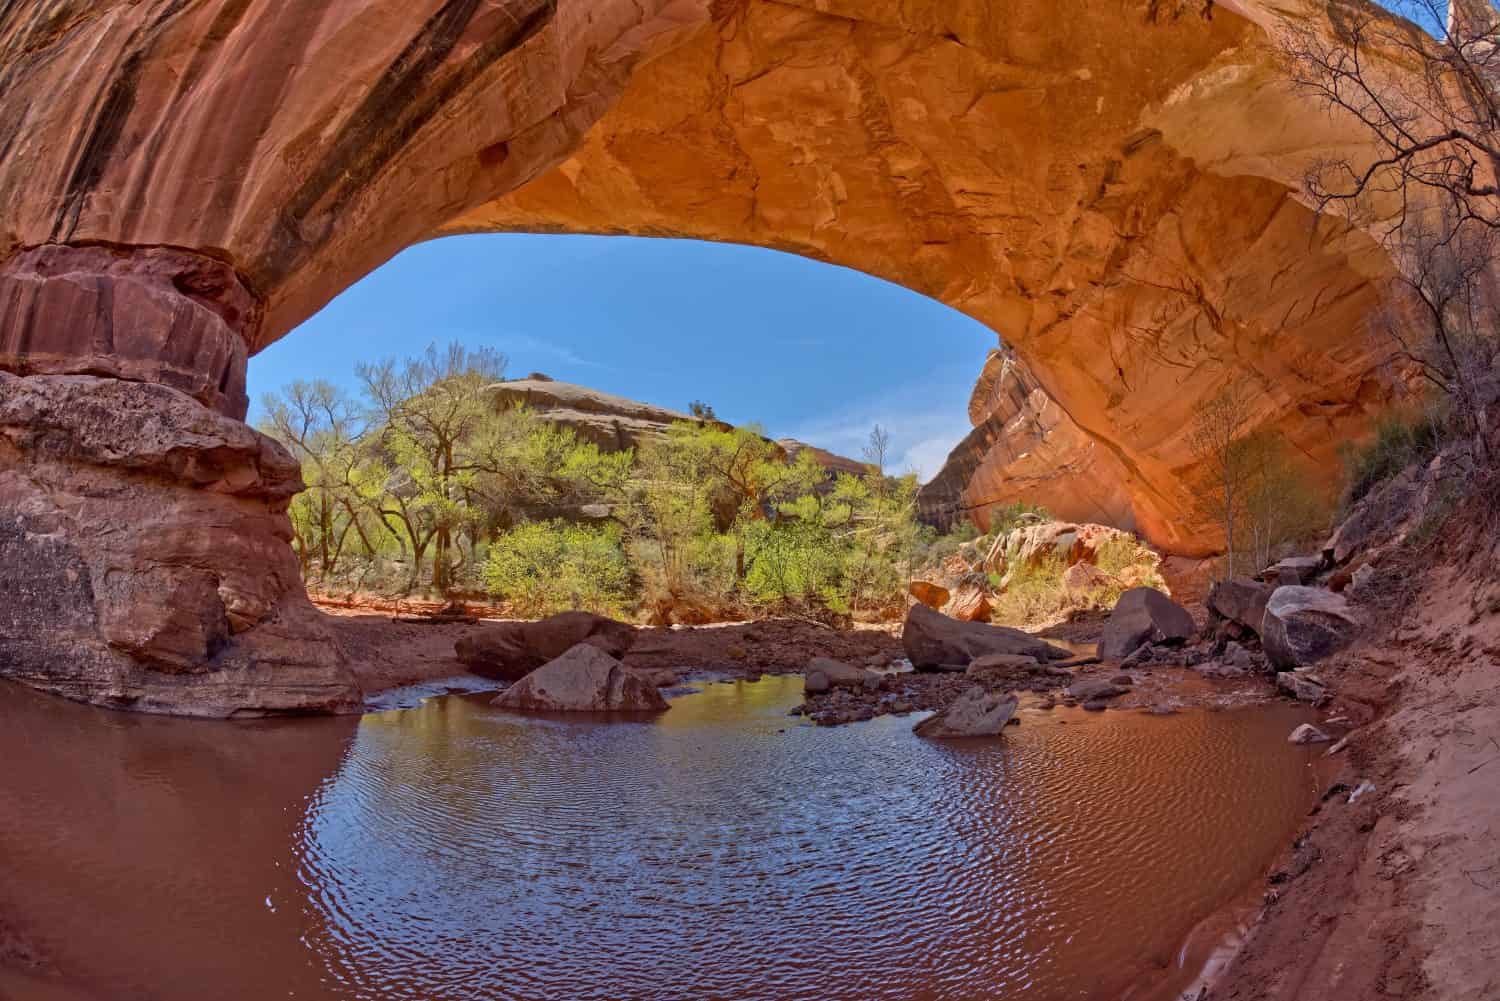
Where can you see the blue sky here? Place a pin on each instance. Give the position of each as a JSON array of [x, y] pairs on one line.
[[808, 350]]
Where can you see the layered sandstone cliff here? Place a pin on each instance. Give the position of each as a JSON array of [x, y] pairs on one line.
[[616, 423], [152, 570], [612, 422], [1024, 449]]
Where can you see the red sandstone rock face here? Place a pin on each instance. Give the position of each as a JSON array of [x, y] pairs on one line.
[[1113, 188], [153, 315], [1024, 448], [144, 554]]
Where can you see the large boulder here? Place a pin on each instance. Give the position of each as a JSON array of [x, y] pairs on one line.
[[934, 642], [1302, 625], [1143, 615], [975, 713], [508, 651], [1038, 541], [932, 595], [1240, 600], [584, 679], [1294, 571]]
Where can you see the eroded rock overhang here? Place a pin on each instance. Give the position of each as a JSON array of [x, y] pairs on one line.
[[1114, 189]]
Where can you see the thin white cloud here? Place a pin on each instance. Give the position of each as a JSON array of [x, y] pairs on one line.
[[512, 344], [920, 441]]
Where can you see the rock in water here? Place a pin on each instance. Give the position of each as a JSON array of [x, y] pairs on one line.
[[584, 679], [1096, 689], [1240, 600], [509, 651], [1308, 734], [1302, 625], [976, 713], [934, 642], [837, 674], [1302, 687], [1143, 615]]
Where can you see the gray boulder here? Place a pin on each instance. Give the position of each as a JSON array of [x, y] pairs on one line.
[[997, 668], [1302, 625], [1302, 687], [1308, 734], [1241, 601], [1294, 571], [508, 651], [584, 679], [839, 674], [934, 642], [1143, 615], [1096, 689], [975, 713], [1238, 657]]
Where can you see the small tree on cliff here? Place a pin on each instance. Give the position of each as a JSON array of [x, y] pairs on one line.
[[1431, 192]]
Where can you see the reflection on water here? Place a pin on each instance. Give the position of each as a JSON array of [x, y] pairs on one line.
[[718, 851]]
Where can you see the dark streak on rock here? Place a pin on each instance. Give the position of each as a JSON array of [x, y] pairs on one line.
[[401, 102], [224, 23], [109, 123]]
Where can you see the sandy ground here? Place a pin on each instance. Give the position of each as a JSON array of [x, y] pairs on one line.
[[1398, 894]]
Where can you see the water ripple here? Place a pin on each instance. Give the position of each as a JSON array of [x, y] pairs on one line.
[[723, 852]]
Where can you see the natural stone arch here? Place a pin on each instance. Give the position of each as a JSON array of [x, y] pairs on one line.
[[1112, 188]]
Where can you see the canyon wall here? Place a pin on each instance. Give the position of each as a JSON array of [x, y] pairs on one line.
[[1024, 449], [1113, 188]]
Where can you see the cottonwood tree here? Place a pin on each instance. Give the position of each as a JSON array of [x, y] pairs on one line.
[[1436, 130], [322, 427], [424, 410], [877, 449], [1250, 482]]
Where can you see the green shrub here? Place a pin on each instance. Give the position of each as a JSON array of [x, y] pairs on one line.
[[1012, 516], [1034, 594], [1400, 440], [545, 567], [797, 562]]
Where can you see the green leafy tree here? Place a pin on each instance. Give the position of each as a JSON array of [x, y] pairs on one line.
[[426, 409], [552, 566], [322, 428]]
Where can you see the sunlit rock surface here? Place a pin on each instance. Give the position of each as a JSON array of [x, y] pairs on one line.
[[1112, 188], [1025, 449]]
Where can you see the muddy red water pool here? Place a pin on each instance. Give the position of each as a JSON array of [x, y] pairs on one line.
[[720, 850]]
